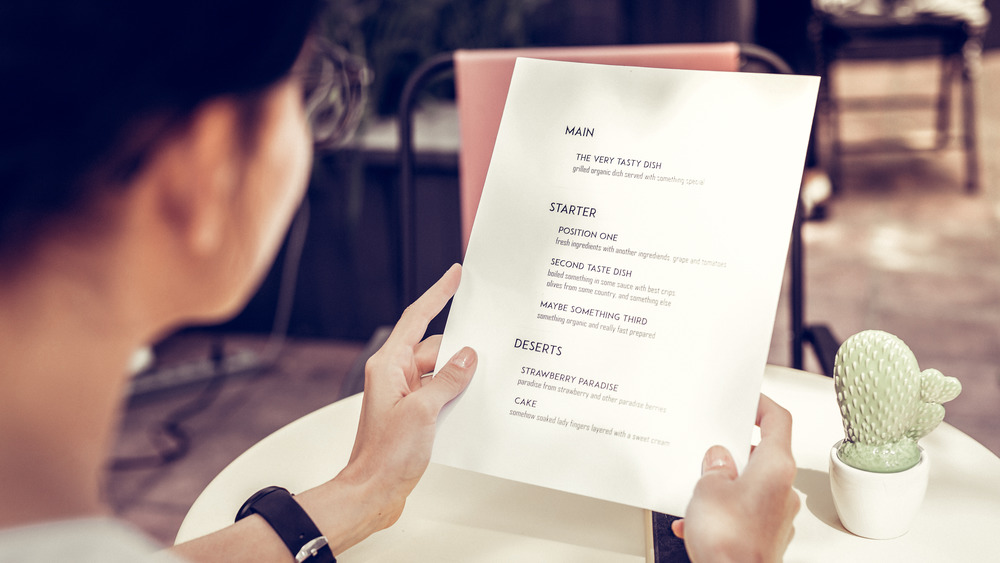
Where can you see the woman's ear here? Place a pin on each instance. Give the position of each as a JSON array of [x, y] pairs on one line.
[[196, 174]]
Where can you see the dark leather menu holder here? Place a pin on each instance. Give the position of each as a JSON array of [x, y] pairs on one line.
[[667, 548]]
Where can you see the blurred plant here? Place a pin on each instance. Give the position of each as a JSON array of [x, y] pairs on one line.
[[395, 36]]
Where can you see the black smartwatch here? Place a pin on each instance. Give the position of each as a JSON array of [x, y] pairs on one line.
[[295, 528]]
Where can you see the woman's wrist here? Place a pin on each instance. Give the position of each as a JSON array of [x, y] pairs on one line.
[[346, 511]]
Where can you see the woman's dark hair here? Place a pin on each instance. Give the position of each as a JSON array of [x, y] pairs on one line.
[[90, 86]]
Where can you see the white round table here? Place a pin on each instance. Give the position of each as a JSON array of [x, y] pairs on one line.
[[456, 515]]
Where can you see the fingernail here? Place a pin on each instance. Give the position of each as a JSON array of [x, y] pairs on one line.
[[463, 357], [714, 457]]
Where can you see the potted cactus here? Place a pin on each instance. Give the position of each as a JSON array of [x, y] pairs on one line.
[[878, 473]]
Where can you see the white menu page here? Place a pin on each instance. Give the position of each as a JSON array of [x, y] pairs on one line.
[[622, 276]]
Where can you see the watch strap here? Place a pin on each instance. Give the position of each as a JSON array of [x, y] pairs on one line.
[[287, 518]]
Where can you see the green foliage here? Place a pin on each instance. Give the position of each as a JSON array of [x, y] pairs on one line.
[[395, 36]]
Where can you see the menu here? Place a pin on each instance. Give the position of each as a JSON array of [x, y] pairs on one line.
[[622, 276]]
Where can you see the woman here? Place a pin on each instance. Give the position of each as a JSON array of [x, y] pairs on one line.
[[151, 157]]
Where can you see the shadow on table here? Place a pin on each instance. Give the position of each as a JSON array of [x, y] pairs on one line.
[[819, 500]]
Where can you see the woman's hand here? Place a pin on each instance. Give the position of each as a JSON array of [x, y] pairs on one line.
[[391, 451], [402, 402], [745, 517]]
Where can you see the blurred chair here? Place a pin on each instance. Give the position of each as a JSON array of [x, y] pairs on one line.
[[952, 30], [481, 81]]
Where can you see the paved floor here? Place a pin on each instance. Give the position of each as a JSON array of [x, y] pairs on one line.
[[904, 249]]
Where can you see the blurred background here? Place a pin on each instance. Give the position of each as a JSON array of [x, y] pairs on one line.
[[894, 238], [349, 272]]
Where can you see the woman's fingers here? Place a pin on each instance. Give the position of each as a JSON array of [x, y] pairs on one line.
[[773, 454], [718, 461], [450, 380], [425, 354], [677, 527], [774, 421], [413, 323]]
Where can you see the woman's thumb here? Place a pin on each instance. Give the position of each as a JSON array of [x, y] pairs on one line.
[[718, 460], [453, 377]]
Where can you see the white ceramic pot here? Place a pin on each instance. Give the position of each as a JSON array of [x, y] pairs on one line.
[[877, 505]]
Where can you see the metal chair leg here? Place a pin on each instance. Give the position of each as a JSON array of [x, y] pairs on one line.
[[970, 70]]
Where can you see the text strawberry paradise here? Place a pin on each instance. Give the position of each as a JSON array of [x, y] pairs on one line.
[[571, 379]]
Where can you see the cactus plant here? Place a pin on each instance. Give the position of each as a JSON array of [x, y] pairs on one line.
[[886, 402]]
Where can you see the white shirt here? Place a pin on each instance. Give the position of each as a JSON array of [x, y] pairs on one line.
[[86, 540]]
